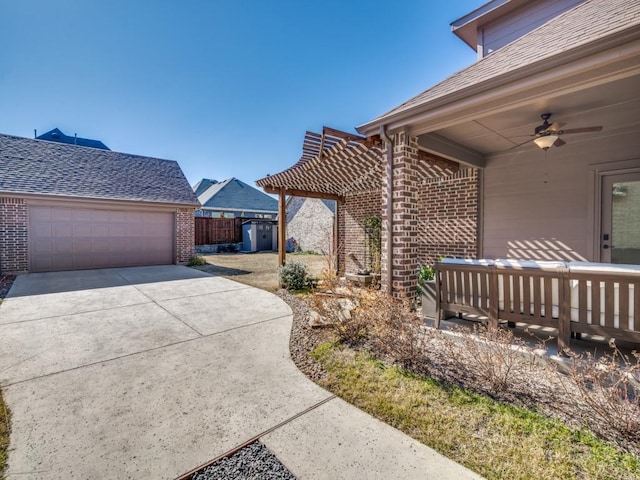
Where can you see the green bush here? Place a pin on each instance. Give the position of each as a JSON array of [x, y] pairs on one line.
[[197, 261], [294, 276], [425, 274]]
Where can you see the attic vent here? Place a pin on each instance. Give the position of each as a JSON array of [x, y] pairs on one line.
[[55, 134]]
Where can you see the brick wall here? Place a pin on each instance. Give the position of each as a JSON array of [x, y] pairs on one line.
[[404, 221], [431, 218], [448, 216], [14, 246], [185, 234], [351, 233]]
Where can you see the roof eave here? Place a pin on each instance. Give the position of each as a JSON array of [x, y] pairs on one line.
[[539, 72], [67, 197]]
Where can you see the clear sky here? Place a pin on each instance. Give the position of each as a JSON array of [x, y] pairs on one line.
[[226, 88]]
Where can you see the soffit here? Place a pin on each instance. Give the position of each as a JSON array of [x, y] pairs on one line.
[[614, 105]]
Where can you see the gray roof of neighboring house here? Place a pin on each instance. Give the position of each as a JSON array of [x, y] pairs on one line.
[[580, 25], [203, 185], [56, 135], [30, 166], [234, 194]]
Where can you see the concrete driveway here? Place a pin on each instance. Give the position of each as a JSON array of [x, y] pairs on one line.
[[149, 372]]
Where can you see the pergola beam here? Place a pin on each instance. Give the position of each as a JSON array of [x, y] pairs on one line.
[[282, 227], [304, 193]]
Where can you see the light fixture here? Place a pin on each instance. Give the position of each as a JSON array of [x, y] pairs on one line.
[[546, 141]]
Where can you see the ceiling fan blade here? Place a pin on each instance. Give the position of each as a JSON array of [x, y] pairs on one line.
[[518, 145], [582, 130], [559, 142], [555, 127]]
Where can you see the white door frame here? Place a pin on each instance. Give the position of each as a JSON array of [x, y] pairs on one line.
[[604, 179]]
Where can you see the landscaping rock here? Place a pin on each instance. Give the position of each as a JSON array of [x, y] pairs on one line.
[[318, 321], [253, 462]]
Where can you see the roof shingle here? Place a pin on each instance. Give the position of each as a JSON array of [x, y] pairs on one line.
[[585, 23], [30, 166], [234, 194]]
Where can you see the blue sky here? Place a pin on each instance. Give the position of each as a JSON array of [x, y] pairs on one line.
[[225, 88]]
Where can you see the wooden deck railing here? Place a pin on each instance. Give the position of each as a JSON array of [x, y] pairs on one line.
[[577, 297]]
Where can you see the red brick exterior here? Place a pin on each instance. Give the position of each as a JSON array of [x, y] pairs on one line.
[[351, 233], [14, 240], [185, 234], [431, 218], [448, 213]]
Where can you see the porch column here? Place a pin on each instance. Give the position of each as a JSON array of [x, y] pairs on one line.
[[404, 221], [282, 227]]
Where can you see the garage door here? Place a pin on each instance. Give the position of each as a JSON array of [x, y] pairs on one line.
[[62, 238]]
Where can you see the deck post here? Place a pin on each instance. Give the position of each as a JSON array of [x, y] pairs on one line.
[[564, 317], [494, 297], [282, 228]]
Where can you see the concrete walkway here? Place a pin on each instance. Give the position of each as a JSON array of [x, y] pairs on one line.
[[149, 372]]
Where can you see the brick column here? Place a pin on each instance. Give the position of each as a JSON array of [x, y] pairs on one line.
[[404, 222], [14, 245], [185, 234]]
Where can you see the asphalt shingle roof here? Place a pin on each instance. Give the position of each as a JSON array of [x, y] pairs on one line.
[[49, 168], [203, 185], [585, 23], [56, 135], [237, 195]]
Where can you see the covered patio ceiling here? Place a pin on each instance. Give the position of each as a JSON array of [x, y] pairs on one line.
[[613, 105], [335, 163]]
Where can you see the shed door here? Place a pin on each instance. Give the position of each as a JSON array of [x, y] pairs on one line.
[[64, 238]]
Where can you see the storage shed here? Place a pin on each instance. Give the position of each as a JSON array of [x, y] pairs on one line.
[[259, 235]]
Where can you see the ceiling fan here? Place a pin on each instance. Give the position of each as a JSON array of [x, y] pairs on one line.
[[548, 134]]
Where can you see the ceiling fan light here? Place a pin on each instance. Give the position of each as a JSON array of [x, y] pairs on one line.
[[546, 141]]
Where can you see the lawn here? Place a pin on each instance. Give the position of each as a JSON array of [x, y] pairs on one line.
[[260, 269], [495, 440], [4, 435], [6, 282]]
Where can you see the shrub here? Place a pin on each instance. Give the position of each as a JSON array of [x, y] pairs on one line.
[[608, 394], [294, 276], [197, 261], [425, 274]]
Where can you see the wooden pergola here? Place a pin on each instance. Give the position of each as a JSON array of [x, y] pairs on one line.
[[334, 164]]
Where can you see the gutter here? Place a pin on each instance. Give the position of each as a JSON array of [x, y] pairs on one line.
[[389, 143]]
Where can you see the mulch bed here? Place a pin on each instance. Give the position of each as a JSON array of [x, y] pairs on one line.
[[5, 284]]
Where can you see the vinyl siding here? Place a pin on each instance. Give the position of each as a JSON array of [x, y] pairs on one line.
[[524, 216]]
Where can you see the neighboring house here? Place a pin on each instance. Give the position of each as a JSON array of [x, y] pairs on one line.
[[68, 207], [455, 171], [233, 198], [56, 135], [310, 222]]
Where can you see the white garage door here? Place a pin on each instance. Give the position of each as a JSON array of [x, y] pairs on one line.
[[63, 238]]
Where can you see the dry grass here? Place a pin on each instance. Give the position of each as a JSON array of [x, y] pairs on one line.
[[496, 440], [259, 270], [4, 435], [523, 406]]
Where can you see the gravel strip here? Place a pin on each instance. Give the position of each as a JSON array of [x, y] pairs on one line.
[[304, 338], [253, 462], [5, 284]]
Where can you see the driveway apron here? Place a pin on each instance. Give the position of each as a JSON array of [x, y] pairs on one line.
[[148, 372]]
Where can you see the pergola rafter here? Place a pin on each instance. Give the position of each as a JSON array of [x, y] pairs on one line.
[[335, 164]]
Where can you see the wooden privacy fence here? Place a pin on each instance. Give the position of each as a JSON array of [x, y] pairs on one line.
[[575, 297], [211, 231]]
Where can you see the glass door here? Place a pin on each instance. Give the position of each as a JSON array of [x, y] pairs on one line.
[[620, 237]]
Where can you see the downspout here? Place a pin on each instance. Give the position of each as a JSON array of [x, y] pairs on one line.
[[389, 143]]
